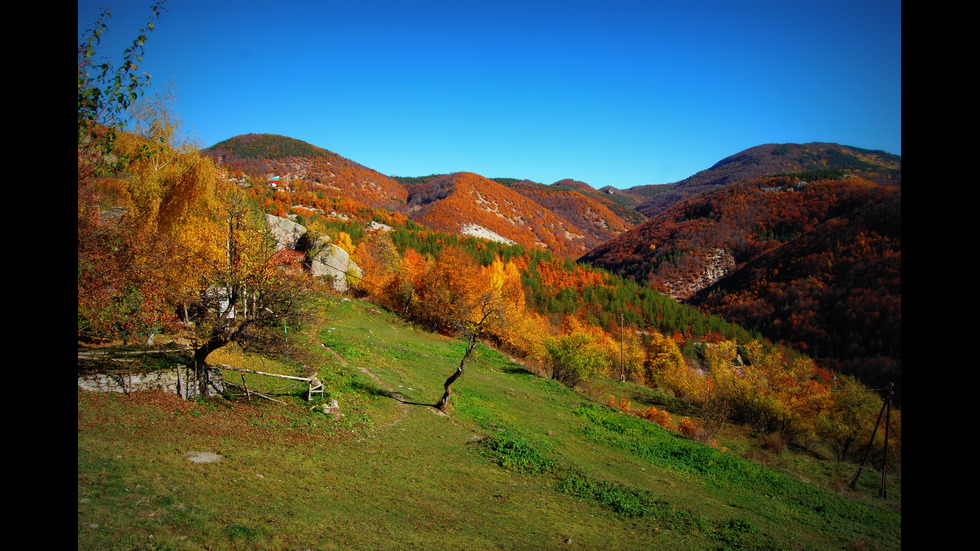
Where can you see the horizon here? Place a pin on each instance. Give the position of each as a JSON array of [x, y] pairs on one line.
[[624, 95]]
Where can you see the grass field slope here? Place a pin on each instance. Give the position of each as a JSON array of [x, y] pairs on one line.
[[519, 462]]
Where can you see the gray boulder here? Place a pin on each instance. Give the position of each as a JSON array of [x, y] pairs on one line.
[[334, 262], [285, 231], [329, 260]]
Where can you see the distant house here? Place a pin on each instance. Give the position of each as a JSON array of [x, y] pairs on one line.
[[219, 294], [287, 258]]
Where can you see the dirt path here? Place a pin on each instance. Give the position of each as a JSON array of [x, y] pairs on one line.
[[403, 406]]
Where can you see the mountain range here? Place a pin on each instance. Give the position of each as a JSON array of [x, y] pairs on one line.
[[817, 159], [575, 218], [567, 218], [801, 242]]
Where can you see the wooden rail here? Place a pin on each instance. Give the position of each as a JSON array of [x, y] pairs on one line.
[[315, 386]]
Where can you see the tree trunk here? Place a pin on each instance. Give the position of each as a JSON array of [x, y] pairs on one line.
[[200, 364], [443, 404]]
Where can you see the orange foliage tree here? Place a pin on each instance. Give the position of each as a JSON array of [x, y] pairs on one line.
[[377, 256]]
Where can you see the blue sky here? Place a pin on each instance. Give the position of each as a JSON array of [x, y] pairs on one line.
[[609, 93]]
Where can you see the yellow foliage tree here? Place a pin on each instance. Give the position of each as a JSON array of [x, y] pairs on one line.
[[580, 352], [665, 366], [720, 359], [503, 285], [344, 242], [632, 357]]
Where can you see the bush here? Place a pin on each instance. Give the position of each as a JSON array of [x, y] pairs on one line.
[[696, 430], [516, 454], [574, 358], [658, 416]]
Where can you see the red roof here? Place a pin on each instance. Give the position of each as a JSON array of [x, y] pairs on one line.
[[286, 256]]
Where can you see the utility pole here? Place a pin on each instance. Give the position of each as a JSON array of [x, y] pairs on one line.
[[886, 409], [883, 493], [622, 364]]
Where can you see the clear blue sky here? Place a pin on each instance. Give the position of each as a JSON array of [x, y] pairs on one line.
[[606, 92]]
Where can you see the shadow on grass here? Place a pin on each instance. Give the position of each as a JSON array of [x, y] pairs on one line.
[[648, 397], [373, 390], [517, 370], [370, 390], [399, 398]]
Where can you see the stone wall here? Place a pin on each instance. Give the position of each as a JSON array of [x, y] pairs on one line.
[[183, 382]]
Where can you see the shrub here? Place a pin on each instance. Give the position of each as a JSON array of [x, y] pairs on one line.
[[574, 358], [623, 404], [689, 428], [697, 431], [516, 454], [658, 416]]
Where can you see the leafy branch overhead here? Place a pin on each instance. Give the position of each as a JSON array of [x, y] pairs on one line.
[[105, 93]]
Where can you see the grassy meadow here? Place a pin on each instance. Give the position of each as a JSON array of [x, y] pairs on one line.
[[519, 462]]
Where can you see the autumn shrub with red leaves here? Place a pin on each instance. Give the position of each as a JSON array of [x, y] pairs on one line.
[[658, 416]]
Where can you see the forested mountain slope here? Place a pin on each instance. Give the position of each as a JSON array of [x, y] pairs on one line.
[[771, 159], [269, 155], [458, 203], [598, 218], [834, 292], [815, 264]]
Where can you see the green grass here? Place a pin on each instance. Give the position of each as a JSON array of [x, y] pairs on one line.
[[520, 462]]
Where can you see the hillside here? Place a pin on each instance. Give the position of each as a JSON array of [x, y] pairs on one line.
[[611, 198], [737, 220], [267, 155], [565, 219], [816, 264], [598, 218], [834, 292], [520, 462], [457, 202], [772, 159]]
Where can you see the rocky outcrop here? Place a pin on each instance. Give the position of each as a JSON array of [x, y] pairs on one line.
[[715, 265], [329, 260], [285, 231], [333, 262]]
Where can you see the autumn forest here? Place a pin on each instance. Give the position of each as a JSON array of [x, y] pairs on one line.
[[768, 296]]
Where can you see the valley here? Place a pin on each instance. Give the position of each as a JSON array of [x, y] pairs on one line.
[[702, 241]]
